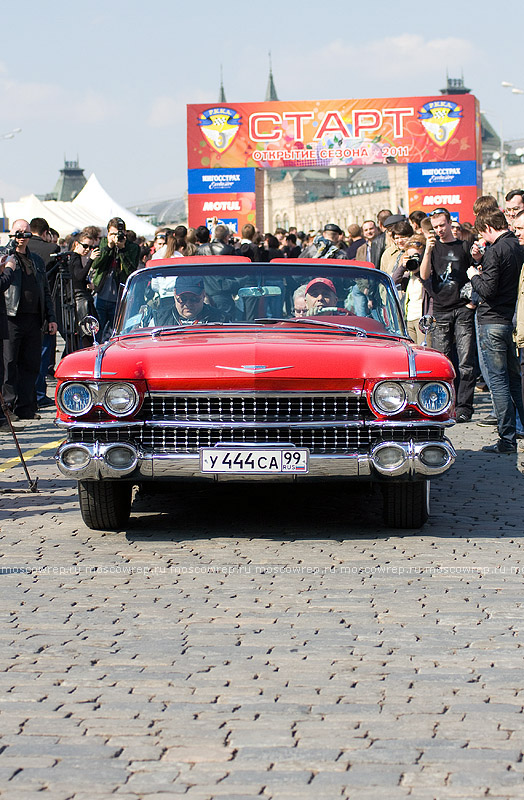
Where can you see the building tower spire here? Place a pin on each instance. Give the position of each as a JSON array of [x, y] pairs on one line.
[[271, 92], [221, 94]]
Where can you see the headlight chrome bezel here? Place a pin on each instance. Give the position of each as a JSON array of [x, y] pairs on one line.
[[403, 401], [98, 394], [412, 391], [431, 412], [68, 410], [134, 399]]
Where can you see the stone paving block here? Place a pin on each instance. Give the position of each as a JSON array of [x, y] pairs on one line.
[[197, 754], [379, 793]]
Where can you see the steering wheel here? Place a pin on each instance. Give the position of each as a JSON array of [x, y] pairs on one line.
[[333, 310]]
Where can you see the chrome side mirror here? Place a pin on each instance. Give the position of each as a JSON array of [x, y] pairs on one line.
[[90, 327], [427, 324]]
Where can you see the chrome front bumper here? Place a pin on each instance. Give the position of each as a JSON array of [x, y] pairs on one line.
[[100, 461]]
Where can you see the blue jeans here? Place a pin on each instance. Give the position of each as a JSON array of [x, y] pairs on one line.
[[457, 327], [503, 368], [106, 314], [360, 302]]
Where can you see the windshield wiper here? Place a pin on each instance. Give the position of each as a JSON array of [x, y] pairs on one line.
[[195, 326], [317, 323]]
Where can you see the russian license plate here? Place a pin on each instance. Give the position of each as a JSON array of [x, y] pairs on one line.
[[256, 461]]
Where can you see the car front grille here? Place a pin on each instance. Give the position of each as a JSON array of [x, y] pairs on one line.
[[255, 408], [323, 440]]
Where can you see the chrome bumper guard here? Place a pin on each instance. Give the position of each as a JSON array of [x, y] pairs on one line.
[[122, 460]]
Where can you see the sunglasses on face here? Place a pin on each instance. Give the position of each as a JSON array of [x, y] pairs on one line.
[[86, 246], [186, 299]]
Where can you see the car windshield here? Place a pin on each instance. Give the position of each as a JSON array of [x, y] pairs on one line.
[[316, 291]]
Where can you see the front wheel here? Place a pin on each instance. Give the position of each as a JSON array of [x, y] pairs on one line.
[[406, 505], [105, 505]]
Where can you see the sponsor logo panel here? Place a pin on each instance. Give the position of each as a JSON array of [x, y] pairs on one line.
[[443, 174], [233, 209], [219, 181], [457, 199]]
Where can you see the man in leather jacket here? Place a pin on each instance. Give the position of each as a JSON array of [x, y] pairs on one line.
[[30, 310]]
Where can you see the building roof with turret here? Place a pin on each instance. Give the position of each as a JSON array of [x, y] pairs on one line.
[[70, 182]]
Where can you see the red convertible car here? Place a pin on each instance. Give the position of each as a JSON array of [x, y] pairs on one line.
[[224, 369]]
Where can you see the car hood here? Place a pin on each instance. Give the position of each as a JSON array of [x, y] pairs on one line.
[[190, 361]]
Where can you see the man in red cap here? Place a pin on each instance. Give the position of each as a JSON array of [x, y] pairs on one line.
[[320, 293]]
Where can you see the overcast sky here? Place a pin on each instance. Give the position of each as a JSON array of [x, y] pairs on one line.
[[109, 81]]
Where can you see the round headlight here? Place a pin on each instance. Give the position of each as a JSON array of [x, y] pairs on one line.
[[389, 397], [433, 398], [389, 456], [121, 398], [75, 398], [76, 457], [434, 456], [120, 456]]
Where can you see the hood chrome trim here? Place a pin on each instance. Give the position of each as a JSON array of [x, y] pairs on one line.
[[253, 369]]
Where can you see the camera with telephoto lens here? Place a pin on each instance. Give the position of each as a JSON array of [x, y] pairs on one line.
[[121, 227], [413, 262]]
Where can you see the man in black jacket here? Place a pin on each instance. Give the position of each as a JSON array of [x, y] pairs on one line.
[[42, 246], [497, 286], [443, 272], [29, 307], [7, 269]]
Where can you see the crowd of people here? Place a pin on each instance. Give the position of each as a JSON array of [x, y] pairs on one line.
[[467, 276]]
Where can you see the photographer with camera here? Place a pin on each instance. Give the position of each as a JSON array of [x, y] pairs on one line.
[[80, 261], [117, 260], [406, 277], [29, 309]]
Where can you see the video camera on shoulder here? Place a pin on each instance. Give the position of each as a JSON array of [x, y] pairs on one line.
[[15, 240]]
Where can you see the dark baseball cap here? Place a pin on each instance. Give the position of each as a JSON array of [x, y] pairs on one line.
[[189, 283], [332, 227], [393, 219]]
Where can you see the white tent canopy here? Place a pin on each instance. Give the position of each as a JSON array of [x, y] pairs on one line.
[[92, 206]]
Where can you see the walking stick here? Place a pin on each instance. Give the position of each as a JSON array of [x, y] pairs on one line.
[[5, 409]]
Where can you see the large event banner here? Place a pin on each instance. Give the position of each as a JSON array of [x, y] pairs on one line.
[[333, 133]]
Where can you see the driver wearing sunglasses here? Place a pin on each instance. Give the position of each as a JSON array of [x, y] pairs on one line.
[[189, 307]]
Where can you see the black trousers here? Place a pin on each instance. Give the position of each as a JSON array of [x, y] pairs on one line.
[[22, 363], [457, 327], [2, 415]]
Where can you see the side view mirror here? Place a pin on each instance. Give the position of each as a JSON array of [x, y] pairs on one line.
[[90, 327], [427, 324]]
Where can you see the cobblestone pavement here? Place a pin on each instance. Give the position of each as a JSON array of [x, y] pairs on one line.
[[274, 642]]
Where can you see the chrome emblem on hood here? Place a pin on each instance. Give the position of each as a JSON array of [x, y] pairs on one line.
[[253, 369]]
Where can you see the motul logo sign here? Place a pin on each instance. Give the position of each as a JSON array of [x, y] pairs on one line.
[[227, 205]]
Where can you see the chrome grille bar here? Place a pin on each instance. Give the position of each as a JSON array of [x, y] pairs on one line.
[[254, 408]]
